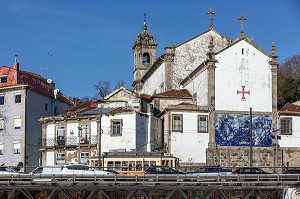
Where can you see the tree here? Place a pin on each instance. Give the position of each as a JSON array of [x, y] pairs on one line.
[[289, 81], [103, 87]]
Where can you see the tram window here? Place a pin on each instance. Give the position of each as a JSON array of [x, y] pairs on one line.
[[152, 163], [117, 165], [131, 165], [146, 164], [124, 166], [139, 166], [110, 165]]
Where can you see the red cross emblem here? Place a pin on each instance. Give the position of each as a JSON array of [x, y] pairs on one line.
[[243, 92]]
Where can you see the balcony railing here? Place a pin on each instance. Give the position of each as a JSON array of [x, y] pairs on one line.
[[69, 141]]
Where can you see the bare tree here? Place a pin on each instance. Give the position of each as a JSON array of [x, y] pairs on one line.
[[103, 87]]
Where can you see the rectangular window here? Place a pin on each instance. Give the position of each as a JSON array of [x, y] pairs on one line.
[[286, 126], [46, 107], [202, 124], [55, 111], [17, 122], [1, 148], [116, 127], [17, 97], [177, 124], [60, 158], [17, 147], [3, 79], [1, 99], [1, 124], [60, 135]]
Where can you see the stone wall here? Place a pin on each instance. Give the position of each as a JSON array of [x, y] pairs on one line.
[[234, 156]]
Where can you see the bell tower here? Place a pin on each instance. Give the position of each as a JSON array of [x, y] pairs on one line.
[[144, 50]]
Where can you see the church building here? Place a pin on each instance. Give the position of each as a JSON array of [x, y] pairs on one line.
[[214, 99]]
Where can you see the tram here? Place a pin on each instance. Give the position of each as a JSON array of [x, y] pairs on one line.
[[133, 162]]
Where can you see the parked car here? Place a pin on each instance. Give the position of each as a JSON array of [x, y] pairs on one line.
[[250, 170], [82, 169], [7, 170], [211, 170], [161, 170], [46, 170], [292, 171]]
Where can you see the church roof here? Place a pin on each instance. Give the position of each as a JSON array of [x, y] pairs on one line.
[[183, 93], [290, 109], [209, 30], [240, 38]]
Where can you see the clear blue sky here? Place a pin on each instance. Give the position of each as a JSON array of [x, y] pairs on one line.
[[91, 40]]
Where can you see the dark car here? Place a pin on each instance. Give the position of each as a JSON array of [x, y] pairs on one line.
[[211, 170], [250, 170], [161, 170], [292, 171]]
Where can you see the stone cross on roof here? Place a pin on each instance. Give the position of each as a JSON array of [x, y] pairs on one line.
[[211, 13], [242, 19]]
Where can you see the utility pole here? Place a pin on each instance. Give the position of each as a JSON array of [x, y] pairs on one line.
[[99, 141], [250, 129], [79, 140]]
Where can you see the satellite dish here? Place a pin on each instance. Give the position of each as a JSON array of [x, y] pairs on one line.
[[49, 81]]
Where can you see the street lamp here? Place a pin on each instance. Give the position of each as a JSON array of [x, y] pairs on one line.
[[79, 133]]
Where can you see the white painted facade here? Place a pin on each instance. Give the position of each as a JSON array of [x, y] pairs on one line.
[[294, 139], [199, 87], [135, 134], [243, 65], [156, 82], [189, 145]]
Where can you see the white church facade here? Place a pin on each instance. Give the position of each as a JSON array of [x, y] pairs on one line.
[[230, 83]]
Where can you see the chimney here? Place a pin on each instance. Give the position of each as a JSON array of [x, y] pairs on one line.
[[16, 64]]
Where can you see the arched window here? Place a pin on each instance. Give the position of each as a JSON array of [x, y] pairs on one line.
[[146, 58]]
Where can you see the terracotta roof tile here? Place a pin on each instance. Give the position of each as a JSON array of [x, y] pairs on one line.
[[83, 107], [290, 108], [183, 93], [146, 97]]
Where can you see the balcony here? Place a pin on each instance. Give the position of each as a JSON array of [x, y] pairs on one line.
[[69, 141]]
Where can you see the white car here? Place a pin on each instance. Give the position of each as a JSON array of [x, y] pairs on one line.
[[82, 169], [7, 171]]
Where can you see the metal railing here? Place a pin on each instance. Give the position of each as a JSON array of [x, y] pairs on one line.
[[171, 179], [69, 141]]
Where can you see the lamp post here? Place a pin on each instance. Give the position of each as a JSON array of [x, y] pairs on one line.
[[79, 133]]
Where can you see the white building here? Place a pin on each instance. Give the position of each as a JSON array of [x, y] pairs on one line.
[[24, 98], [95, 128], [225, 79]]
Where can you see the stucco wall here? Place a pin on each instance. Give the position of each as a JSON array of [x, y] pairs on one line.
[[294, 139], [155, 81], [192, 53], [189, 145], [199, 85], [126, 141], [238, 66], [8, 111]]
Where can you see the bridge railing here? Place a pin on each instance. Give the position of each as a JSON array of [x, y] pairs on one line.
[[26, 179]]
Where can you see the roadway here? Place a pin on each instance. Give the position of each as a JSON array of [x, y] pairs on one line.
[[128, 186]]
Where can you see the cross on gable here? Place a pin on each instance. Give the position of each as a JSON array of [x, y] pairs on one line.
[[211, 13], [243, 92], [242, 19]]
